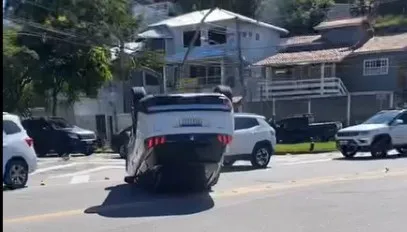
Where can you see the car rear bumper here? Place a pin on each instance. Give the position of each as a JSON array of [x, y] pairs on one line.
[[185, 159]]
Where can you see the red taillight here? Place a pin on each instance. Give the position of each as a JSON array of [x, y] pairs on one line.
[[29, 141], [154, 141], [225, 139]]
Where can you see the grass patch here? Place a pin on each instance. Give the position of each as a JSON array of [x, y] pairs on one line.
[[104, 150], [304, 148], [390, 21]]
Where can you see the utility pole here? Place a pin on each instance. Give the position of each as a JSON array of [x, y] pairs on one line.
[[240, 69], [191, 44]]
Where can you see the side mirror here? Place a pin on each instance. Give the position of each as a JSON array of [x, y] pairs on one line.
[[398, 122]]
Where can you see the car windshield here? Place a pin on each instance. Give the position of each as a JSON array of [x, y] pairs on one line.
[[382, 117], [60, 123]]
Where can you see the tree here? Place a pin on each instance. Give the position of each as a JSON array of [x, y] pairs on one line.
[[301, 16], [72, 41], [19, 67]]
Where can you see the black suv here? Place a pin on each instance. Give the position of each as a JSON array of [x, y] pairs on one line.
[[54, 134]]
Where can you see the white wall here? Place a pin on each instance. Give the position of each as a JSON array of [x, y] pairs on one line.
[[252, 49]]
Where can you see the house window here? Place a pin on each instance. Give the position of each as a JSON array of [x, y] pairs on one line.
[[244, 34], [197, 71], [329, 70], [189, 35], [217, 35], [257, 36], [374, 67], [151, 80], [250, 34]]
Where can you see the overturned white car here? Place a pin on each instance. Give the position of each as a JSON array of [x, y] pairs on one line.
[[180, 139]]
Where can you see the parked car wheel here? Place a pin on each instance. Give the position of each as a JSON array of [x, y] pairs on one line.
[[228, 163], [16, 174], [348, 153], [89, 152], [261, 156], [380, 146]]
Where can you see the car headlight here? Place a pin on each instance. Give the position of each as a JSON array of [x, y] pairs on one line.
[[73, 136]]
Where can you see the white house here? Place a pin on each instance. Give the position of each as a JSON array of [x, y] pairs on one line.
[[214, 58]]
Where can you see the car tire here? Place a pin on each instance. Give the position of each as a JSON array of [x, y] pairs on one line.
[[213, 182], [349, 154], [16, 174], [228, 163], [380, 147], [41, 152], [261, 156], [225, 90]]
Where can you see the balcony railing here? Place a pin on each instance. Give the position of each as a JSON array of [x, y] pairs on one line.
[[194, 84], [332, 86]]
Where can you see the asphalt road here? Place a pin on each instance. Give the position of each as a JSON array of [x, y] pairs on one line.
[[315, 193]]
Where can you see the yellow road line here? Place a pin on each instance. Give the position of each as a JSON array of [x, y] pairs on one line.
[[229, 193]]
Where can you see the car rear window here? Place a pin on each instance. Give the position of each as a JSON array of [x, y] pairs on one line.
[[9, 127], [245, 123], [185, 103]]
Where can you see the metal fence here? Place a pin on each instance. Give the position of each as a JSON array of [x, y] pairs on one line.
[[351, 109]]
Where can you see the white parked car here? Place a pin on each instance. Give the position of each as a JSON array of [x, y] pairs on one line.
[[384, 131], [19, 158], [253, 139]]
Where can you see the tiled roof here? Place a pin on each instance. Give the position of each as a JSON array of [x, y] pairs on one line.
[[397, 42], [340, 23], [300, 40], [306, 57]]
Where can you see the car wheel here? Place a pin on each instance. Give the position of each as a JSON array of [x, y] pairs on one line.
[[16, 174], [261, 156], [228, 163], [213, 182], [89, 152], [380, 146], [402, 151], [348, 153], [41, 152]]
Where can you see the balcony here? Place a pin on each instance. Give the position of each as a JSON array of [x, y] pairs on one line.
[[266, 90], [197, 84]]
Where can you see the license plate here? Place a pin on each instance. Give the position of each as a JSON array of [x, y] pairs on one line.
[[190, 122], [89, 142]]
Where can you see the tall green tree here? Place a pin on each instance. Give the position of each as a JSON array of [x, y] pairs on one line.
[[73, 41], [301, 16], [19, 67]]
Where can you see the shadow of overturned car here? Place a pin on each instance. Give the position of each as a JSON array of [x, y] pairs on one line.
[[126, 200]]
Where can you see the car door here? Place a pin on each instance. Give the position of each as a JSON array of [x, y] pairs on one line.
[[6, 151], [243, 136], [10, 136], [399, 132]]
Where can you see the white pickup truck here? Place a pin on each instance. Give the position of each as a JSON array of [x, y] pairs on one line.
[[384, 131]]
